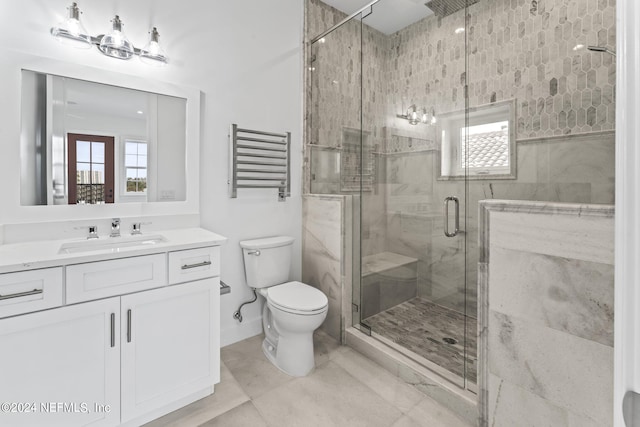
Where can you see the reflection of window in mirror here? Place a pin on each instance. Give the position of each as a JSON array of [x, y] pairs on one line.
[[135, 166], [478, 143], [90, 169]]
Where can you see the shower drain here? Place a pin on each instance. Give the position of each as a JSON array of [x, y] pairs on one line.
[[450, 340]]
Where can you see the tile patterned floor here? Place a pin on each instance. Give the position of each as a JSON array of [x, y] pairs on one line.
[[345, 389], [421, 326]]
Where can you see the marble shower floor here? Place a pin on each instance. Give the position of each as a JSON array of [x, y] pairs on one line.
[[421, 327], [346, 389]]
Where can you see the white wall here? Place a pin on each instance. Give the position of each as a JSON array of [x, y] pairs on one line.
[[246, 57]]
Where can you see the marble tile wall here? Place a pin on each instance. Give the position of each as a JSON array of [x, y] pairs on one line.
[[327, 258], [515, 52], [546, 321]]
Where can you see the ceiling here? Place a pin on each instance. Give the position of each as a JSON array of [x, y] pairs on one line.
[[388, 16], [91, 98]]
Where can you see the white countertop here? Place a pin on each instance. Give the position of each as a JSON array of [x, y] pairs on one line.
[[43, 254]]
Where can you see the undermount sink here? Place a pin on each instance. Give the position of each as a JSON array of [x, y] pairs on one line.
[[110, 244]]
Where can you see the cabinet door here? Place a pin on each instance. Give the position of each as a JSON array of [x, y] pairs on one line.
[[61, 367], [169, 351]]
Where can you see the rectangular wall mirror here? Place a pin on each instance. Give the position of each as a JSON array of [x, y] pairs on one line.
[[84, 142], [480, 144]]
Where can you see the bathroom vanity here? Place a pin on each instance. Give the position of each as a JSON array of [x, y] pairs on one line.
[[108, 331]]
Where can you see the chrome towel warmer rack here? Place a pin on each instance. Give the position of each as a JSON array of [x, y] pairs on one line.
[[259, 160]]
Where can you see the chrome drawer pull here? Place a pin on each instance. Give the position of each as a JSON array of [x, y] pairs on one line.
[[200, 264], [21, 294]]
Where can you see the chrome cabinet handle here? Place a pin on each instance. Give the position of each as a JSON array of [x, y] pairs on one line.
[[446, 216], [113, 330], [129, 325], [200, 264], [21, 294]]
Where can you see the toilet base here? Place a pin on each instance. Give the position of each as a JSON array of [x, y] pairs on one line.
[[292, 352], [300, 365]]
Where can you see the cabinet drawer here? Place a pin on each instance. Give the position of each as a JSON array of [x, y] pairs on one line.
[[194, 264], [115, 277], [28, 291]]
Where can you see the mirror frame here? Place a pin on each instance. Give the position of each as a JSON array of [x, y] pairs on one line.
[[10, 133]]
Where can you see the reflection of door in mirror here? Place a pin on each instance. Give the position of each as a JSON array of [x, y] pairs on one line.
[[90, 169]]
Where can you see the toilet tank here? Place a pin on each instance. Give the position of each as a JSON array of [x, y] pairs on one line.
[[267, 261]]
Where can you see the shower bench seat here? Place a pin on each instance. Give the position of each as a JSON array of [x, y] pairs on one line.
[[388, 279]]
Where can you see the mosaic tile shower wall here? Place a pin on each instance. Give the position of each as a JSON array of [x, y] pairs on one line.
[[537, 56]]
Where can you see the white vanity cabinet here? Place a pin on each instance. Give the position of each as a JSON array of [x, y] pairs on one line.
[[116, 341], [61, 357], [168, 347]]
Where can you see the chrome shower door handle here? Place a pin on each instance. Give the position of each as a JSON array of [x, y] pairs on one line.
[[446, 216]]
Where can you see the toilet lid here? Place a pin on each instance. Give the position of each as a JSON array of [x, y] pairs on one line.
[[297, 296]]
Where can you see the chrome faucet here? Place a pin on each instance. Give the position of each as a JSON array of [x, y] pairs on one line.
[[115, 227]]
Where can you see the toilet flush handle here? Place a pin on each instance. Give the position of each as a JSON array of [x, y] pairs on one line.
[[256, 253]]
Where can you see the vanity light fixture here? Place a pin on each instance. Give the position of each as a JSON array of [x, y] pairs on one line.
[[71, 31], [153, 53], [416, 116], [114, 44]]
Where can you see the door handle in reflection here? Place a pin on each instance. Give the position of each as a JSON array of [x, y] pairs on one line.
[[446, 216]]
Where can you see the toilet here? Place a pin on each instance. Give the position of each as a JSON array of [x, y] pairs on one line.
[[292, 310]]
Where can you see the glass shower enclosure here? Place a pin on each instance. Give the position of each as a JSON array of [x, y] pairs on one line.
[[420, 115], [375, 130]]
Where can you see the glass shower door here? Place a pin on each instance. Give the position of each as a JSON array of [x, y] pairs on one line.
[[414, 270], [375, 133]]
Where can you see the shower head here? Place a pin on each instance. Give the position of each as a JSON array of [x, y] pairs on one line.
[[601, 49], [442, 8]]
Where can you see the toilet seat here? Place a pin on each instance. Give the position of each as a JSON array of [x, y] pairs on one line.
[[297, 298]]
